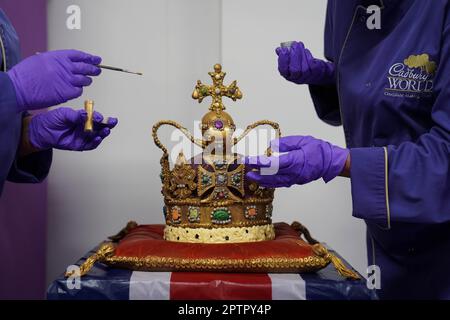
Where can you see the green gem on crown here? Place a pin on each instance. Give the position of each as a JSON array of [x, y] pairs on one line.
[[237, 178], [221, 216], [204, 90], [194, 214], [206, 179]]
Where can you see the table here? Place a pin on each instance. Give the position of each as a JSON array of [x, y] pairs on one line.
[[106, 283]]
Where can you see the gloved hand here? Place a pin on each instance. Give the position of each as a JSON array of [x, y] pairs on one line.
[[296, 64], [63, 128], [52, 78], [305, 159]]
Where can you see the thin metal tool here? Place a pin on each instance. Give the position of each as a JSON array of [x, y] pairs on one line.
[[113, 68], [119, 69]]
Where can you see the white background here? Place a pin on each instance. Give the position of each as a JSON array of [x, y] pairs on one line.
[[175, 42]]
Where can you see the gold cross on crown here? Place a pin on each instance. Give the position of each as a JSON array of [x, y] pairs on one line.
[[217, 90]]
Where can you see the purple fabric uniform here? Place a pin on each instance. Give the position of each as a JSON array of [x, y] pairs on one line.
[[33, 168], [392, 96]]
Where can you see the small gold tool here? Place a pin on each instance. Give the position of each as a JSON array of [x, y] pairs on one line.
[[89, 108]]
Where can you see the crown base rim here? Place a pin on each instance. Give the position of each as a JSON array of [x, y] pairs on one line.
[[220, 235]]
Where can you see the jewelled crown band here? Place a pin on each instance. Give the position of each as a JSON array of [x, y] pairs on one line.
[[209, 200]]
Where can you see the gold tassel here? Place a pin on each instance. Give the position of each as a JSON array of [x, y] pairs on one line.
[[106, 249], [321, 251], [342, 268]]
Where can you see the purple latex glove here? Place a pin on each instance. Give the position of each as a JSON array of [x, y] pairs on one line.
[[52, 78], [305, 159], [296, 64], [63, 128]]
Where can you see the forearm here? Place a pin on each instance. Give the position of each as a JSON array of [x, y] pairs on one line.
[[26, 148], [346, 171]]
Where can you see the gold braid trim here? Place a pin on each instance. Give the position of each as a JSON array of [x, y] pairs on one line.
[[306, 264], [105, 250], [153, 263]]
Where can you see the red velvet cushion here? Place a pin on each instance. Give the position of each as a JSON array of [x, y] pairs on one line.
[[144, 248]]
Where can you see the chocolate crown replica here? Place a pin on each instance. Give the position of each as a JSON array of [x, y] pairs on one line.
[[211, 201], [215, 219]]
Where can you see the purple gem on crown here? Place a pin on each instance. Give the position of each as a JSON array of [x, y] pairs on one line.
[[218, 124]]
